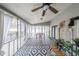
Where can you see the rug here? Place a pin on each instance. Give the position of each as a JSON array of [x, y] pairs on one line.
[[34, 51], [35, 47]]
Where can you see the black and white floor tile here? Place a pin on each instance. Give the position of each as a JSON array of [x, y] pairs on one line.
[[35, 48]]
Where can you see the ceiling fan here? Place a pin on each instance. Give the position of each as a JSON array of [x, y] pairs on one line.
[[45, 8]]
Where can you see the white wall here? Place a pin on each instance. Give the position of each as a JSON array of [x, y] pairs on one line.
[[71, 11]]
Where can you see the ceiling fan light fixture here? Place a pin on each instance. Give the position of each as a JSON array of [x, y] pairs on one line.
[[45, 7]]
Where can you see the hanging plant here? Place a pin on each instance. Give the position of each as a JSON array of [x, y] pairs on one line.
[[71, 23]]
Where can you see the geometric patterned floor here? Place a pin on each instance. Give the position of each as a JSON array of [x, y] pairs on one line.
[[35, 47], [35, 51]]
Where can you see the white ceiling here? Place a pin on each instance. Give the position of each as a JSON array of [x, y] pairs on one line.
[[24, 11], [67, 14]]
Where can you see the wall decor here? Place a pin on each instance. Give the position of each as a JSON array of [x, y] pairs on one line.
[[62, 24]]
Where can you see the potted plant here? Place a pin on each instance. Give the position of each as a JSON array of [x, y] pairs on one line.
[[59, 43], [76, 40], [67, 45]]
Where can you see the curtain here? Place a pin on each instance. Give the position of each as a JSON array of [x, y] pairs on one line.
[[7, 21], [1, 32]]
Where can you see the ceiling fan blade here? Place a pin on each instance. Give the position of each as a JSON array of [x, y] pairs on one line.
[[43, 12], [37, 8], [53, 9]]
